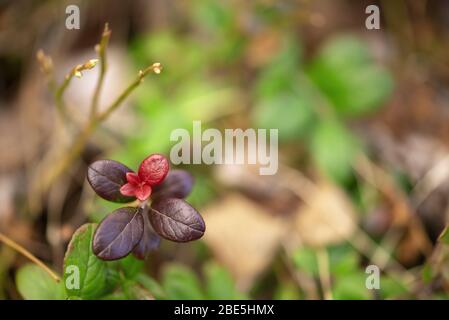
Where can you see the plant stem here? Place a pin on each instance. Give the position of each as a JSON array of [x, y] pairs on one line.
[[61, 89], [101, 49], [14, 245], [323, 269], [155, 67], [43, 181], [80, 142]]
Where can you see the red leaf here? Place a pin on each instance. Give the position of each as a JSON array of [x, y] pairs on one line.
[[153, 169], [143, 192]]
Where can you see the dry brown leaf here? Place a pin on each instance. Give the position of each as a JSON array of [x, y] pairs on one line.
[[328, 217], [243, 236]]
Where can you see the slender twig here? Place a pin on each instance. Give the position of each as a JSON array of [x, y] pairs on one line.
[[43, 181], [60, 91], [56, 197], [155, 67], [14, 245], [383, 182], [430, 181], [101, 50], [80, 142], [323, 270], [46, 66], [75, 72], [304, 282]]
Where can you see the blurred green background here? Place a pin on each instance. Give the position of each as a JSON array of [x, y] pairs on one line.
[[363, 143]]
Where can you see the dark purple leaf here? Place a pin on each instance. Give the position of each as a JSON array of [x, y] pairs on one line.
[[177, 184], [150, 240], [106, 177], [176, 220], [118, 233]]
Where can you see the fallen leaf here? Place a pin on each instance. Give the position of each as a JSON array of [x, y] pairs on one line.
[[328, 217], [243, 236]]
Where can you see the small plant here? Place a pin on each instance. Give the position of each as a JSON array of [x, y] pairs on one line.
[[156, 207], [138, 229]]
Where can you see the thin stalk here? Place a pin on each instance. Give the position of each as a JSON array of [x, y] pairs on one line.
[[60, 90], [14, 245], [323, 269], [78, 145], [101, 49], [155, 67]]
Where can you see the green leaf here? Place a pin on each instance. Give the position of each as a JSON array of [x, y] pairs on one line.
[[115, 296], [275, 79], [131, 266], [34, 283], [439, 296], [334, 149], [203, 191], [205, 101], [219, 283], [169, 49], [343, 260], [217, 21], [444, 236], [132, 291], [151, 285], [179, 282], [93, 272], [427, 273], [346, 73], [305, 260], [351, 287], [101, 208], [391, 288], [159, 128], [280, 76], [213, 16], [112, 278], [284, 99], [287, 291], [290, 113]]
